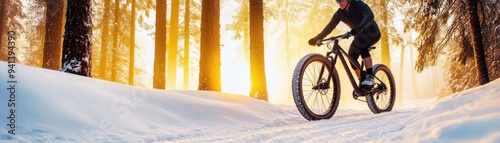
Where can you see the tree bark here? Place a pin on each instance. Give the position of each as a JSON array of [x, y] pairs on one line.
[[209, 78], [482, 68], [258, 88], [53, 34], [132, 46], [3, 17], [77, 45], [160, 44]]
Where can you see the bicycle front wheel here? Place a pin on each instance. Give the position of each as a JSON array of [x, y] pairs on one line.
[[382, 100], [314, 96]]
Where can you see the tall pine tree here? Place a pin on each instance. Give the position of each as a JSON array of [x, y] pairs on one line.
[[77, 45], [160, 44], [132, 44], [481, 67], [53, 34], [10, 12], [258, 88], [209, 78]]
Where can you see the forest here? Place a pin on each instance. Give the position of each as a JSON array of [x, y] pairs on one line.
[[433, 47]]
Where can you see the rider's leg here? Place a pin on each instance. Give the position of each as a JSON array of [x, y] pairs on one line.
[[354, 53], [365, 54], [367, 59], [366, 39], [362, 42], [368, 62], [372, 36]]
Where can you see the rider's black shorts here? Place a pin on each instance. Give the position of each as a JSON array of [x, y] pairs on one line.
[[363, 41]]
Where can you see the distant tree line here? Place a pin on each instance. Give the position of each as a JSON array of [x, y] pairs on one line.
[[98, 39]]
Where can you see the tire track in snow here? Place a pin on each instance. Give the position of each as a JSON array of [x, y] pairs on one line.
[[346, 126]]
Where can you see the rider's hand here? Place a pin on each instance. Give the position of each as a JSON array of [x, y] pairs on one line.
[[313, 41], [355, 30]]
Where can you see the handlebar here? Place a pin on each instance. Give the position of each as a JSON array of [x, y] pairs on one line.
[[333, 38]]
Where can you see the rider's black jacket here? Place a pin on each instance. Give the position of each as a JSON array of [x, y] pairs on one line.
[[359, 15]]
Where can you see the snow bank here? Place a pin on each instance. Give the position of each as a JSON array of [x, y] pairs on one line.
[[472, 115], [55, 106]]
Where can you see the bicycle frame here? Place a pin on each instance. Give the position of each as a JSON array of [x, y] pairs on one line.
[[339, 53], [316, 101]]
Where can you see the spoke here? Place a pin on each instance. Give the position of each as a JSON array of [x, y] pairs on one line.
[[315, 100], [323, 101], [383, 102], [308, 76], [308, 72], [317, 68], [384, 98], [309, 81], [309, 95], [311, 76], [319, 104], [320, 101], [312, 102]]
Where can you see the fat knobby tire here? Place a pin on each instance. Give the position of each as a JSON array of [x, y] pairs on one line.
[[297, 87], [390, 86]]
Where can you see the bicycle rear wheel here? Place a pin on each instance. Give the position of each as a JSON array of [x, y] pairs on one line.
[[382, 100], [315, 99]]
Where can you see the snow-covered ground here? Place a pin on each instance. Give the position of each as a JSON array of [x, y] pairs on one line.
[[51, 106]]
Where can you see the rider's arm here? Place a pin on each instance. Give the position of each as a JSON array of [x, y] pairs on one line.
[[367, 15], [331, 25]]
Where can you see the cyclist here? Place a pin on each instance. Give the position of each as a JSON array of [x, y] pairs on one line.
[[357, 15]]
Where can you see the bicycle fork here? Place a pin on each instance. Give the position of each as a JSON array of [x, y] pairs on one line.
[[319, 84], [326, 84]]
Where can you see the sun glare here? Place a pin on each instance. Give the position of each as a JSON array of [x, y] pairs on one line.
[[235, 74]]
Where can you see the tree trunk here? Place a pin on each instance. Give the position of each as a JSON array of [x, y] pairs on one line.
[[209, 78], [482, 68], [258, 88], [132, 46], [11, 20], [186, 45], [104, 41], [77, 45], [3, 21], [172, 46], [386, 55], [53, 34], [114, 59], [160, 44]]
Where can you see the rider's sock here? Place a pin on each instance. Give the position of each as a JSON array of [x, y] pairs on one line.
[[369, 71]]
